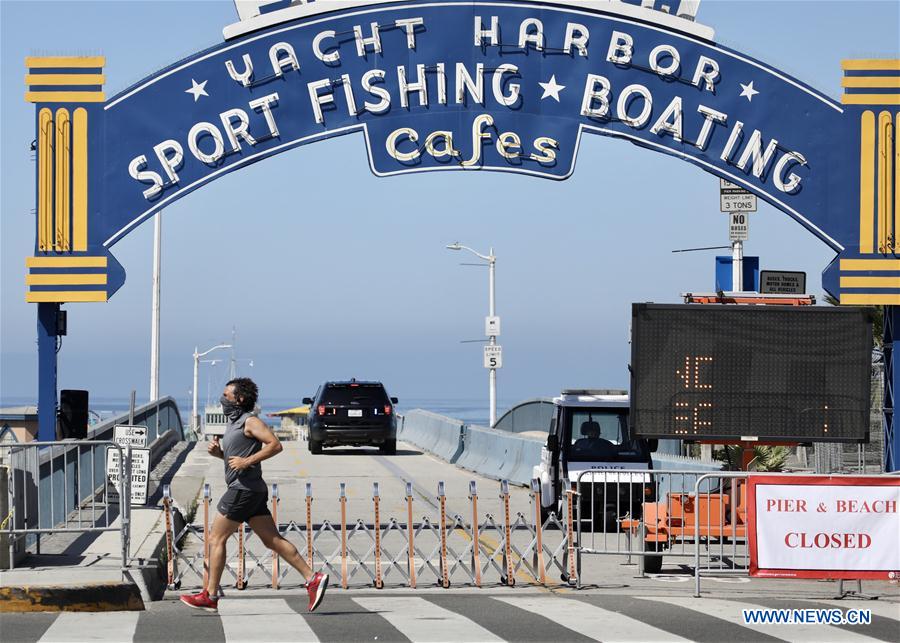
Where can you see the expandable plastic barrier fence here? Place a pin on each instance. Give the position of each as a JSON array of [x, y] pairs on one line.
[[60, 487], [437, 550]]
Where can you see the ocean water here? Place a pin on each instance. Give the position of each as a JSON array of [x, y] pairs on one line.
[[468, 410]]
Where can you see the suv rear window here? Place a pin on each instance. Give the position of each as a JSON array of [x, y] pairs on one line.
[[354, 395]]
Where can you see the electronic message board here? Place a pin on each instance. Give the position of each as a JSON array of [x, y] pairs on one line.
[[720, 372]]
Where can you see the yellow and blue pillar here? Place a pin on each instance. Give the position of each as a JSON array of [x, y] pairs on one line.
[[873, 88], [66, 92]]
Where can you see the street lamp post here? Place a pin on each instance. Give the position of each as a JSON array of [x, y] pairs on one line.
[[492, 339], [195, 418], [154, 319]]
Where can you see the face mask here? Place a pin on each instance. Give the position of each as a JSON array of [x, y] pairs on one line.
[[231, 410]]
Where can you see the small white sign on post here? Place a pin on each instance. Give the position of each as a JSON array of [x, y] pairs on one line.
[[134, 436], [492, 326], [734, 198], [493, 356], [739, 228], [140, 475]]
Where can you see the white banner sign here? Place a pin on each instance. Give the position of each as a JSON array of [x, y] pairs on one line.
[[824, 527]]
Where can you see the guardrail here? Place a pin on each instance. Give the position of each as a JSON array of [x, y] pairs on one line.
[[60, 487]]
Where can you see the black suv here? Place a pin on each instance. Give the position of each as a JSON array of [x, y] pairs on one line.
[[352, 413]]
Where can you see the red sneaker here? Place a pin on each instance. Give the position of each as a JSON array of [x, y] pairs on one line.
[[201, 601], [316, 587]]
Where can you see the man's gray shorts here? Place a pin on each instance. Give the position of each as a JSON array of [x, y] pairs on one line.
[[241, 505]]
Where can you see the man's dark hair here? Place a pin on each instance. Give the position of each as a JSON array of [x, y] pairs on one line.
[[246, 391]]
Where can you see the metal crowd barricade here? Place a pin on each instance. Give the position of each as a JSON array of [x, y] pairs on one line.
[[439, 549], [60, 487], [652, 514], [723, 555], [726, 542]]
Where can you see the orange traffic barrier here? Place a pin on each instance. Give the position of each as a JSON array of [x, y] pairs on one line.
[[275, 557], [445, 570], [570, 536], [241, 582], [476, 547], [507, 550], [538, 530], [410, 531], [170, 549], [205, 535], [379, 584], [344, 535], [309, 530]]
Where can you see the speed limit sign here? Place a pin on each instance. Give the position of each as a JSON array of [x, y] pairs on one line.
[[493, 356]]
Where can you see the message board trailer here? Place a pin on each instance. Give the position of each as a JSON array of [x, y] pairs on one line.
[[751, 373], [835, 527]]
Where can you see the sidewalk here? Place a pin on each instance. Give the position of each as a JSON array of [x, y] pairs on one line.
[[86, 574]]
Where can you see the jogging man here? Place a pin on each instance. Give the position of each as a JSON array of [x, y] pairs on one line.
[[246, 443]]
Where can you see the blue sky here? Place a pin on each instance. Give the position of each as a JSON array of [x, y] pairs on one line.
[[330, 272]]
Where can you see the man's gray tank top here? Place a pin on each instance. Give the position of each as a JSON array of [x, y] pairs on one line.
[[235, 443]]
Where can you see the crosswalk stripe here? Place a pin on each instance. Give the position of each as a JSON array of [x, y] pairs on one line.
[[731, 611], [92, 626], [263, 619], [589, 620], [422, 621], [884, 609]]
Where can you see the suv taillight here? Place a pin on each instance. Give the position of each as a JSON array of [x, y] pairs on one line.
[[321, 409], [387, 409]]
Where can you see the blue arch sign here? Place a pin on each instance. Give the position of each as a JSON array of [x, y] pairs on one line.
[[503, 85]]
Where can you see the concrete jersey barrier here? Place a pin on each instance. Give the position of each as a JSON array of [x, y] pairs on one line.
[[492, 453], [503, 455], [434, 433]]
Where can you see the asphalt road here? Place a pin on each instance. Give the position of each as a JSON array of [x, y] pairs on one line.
[[509, 615]]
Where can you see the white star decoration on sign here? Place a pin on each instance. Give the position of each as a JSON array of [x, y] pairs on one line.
[[748, 91], [197, 89], [551, 89]]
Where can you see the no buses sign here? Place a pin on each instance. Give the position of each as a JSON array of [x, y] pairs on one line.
[[824, 527]]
